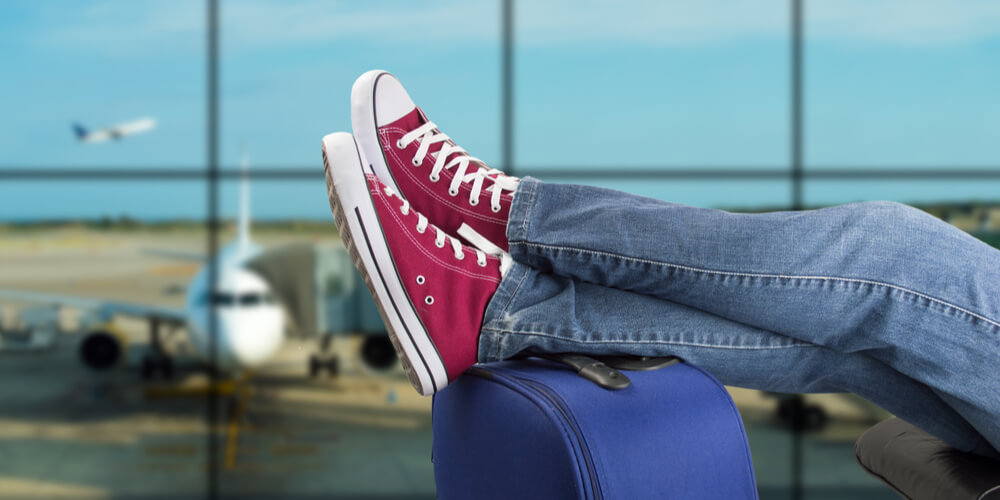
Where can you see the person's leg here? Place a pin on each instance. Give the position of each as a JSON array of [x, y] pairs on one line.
[[879, 279], [534, 311]]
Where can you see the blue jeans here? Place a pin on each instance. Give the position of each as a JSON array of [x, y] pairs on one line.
[[878, 299]]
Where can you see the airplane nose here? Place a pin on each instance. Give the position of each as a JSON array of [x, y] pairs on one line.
[[250, 341]]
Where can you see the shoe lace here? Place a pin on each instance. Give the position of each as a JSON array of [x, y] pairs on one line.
[[428, 135], [441, 237]]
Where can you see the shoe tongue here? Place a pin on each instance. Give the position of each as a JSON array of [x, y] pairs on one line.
[[416, 118], [411, 121]]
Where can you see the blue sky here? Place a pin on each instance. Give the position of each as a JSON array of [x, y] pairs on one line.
[[651, 84]]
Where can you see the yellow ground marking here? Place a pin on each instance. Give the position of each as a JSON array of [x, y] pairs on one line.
[[173, 270], [235, 418], [12, 487]]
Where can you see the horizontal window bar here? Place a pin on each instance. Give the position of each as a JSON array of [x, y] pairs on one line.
[[306, 173]]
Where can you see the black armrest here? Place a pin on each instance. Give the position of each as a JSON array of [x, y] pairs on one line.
[[919, 466]]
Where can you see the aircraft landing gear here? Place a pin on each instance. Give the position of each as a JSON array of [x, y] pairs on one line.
[[157, 361], [317, 364]]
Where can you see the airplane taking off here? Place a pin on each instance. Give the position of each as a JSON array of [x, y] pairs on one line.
[[116, 132], [249, 321]]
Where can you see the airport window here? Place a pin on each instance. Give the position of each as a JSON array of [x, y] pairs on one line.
[[746, 106]]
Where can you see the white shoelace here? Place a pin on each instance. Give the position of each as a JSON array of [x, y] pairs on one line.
[[441, 237], [479, 241], [428, 136]]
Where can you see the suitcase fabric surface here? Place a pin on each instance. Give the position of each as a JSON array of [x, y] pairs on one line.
[[535, 429]]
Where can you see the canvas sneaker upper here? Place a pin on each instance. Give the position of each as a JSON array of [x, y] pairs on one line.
[[431, 289], [456, 191]]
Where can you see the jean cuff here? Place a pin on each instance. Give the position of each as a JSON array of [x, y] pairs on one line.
[[520, 210], [496, 315]]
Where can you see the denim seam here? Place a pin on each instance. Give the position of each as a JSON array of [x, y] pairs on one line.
[[503, 312], [527, 211], [763, 275], [664, 342], [506, 306]]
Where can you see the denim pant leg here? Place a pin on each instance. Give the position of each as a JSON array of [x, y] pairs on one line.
[[540, 312], [879, 279]]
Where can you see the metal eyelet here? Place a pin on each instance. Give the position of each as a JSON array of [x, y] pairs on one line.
[[399, 144], [416, 162], [435, 178], [460, 256], [495, 210], [453, 192], [420, 279], [439, 245], [422, 231], [482, 263], [473, 201], [428, 300]]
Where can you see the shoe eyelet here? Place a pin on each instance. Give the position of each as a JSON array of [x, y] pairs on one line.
[[453, 192], [474, 201], [481, 263], [438, 244], [416, 162], [460, 256], [399, 144], [428, 300], [495, 209], [420, 279], [422, 231], [435, 178]]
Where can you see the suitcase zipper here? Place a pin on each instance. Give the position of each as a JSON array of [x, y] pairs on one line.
[[556, 402]]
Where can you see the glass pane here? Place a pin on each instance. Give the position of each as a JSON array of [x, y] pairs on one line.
[[651, 84], [104, 85], [84, 267], [913, 192], [333, 414], [902, 84], [288, 71], [734, 195]]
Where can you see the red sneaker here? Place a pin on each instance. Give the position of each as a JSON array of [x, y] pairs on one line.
[[431, 290], [457, 192]]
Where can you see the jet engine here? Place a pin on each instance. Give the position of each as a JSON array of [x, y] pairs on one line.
[[103, 347], [377, 353]]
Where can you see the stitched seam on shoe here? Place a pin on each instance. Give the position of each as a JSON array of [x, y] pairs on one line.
[[663, 342], [765, 275], [448, 175], [434, 257]]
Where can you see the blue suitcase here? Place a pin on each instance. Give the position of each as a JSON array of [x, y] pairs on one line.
[[533, 428]]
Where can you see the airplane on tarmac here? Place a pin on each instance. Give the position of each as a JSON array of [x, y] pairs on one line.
[[116, 132], [250, 323]]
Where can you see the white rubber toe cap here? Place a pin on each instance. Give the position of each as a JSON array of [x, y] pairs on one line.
[[390, 99]]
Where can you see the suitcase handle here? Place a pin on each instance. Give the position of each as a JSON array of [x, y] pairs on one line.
[[605, 371]]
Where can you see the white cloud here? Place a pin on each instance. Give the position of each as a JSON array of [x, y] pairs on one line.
[[264, 22], [109, 27], [120, 28], [685, 22], [906, 22]]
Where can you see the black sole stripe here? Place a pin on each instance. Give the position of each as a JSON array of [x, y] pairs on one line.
[[378, 270]]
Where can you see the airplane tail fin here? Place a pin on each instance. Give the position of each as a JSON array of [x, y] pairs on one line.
[[243, 227], [79, 130]]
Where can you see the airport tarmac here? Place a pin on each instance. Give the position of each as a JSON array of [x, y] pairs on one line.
[[67, 432]]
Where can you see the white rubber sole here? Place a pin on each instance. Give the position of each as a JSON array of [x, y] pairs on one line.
[[365, 128], [361, 232]]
